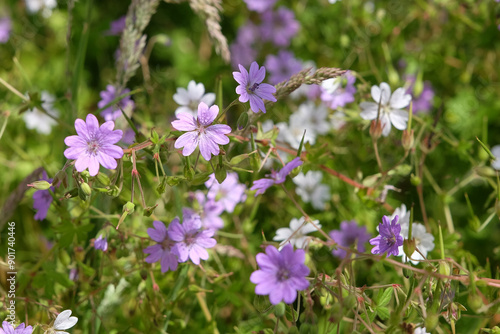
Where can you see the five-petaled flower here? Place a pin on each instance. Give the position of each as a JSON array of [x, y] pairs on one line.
[[101, 243], [162, 251], [63, 321], [201, 132], [251, 87], [281, 274], [93, 146], [391, 107], [7, 328], [275, 177], [390, 237]]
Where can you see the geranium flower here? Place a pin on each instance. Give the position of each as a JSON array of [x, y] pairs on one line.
[[42, 199], [40, 121], [5, 29], [311, 190], [282, 66], [337, 92], [93, 146], [349, 234], [63, 321], [190, 98], [391, 107], [281, 274], [101, 243], [251, 87], [279, 27], [275, 177], [162, 251], [7, 328], [229, 193], [113, 112], [389, 239], [495, 150], [424, 242], [209, 212], [201, 132], [296, 233], [260, 5]]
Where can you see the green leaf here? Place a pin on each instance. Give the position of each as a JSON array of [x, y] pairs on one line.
[[385, 298], [383, 312]]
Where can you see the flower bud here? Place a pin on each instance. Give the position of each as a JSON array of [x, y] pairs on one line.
[[376, 129], [415, 180], [408, 140], [129, 207], [409, 247], [148, 211], [431, 321], [161, 187], [188, 172], [86, 189], [40, 185], [220, 173], [103, 179], [279, 310], [475, 302]]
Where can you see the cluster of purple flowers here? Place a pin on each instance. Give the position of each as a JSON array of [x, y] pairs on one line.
[[179, 242]]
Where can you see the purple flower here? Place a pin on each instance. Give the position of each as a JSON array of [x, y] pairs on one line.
[[251, 87], [229, 193], [42, 200], [117, 26], [390, 237], [191, 240], [201, 132], [423, 101], [275, 177], [282, 66], [259, 5], [243, 49], [73, 274], [349, 234], [279, 27], [338, 92], [282, 274], [7, 328], [113, 112], [93, 146], [162, 251], [5, 29], [101, 243], [209, 213]]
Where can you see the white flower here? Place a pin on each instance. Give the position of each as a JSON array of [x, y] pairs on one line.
[[420, 330], [292, 133], [317, 116], [310, 189], [495, 150], [391, 107], [190, 98], [333, 1], [337, 121], [46, 6], [403, 214], [41, 122], [63, 321], [423, 240], [296, 234]]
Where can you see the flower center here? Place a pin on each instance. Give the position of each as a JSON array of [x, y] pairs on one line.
[[253, 88], [166, 244], [283, 275], [190, 238], [390, 240], [93, 147]]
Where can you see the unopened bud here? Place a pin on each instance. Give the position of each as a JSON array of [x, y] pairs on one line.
[[409, 247], [431, 321], [86, 189], [188, 172], [415, 180], [485, 171], [376, 129], [242, 121], [220, 173], [40, 185], [163, 184], [407, 139], [279, 310], [148, 211], [474, 301], [129, 207], [103, 179]]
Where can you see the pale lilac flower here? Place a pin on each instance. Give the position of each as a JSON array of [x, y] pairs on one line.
[[40, 121], [46, 6], [275, 177], [423, 241], [229, 193], [279, 27], [117, 26], [281, 274], [282, 66], [63, 321], [101, 243], [242, 54], [420, 330], [201, 132], [5, 29], [495, 150], [391, 107], [337, 92], [260, 5], [73, 274], [296, 233], [423, 101], [191, 241], [93, 146], [42, 199], [317, 115], [209, 212], [114, 111], [162, 251], [311, 190], [349, 234], [390, 237], [251, 87], [7, 328], [190, 98]]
